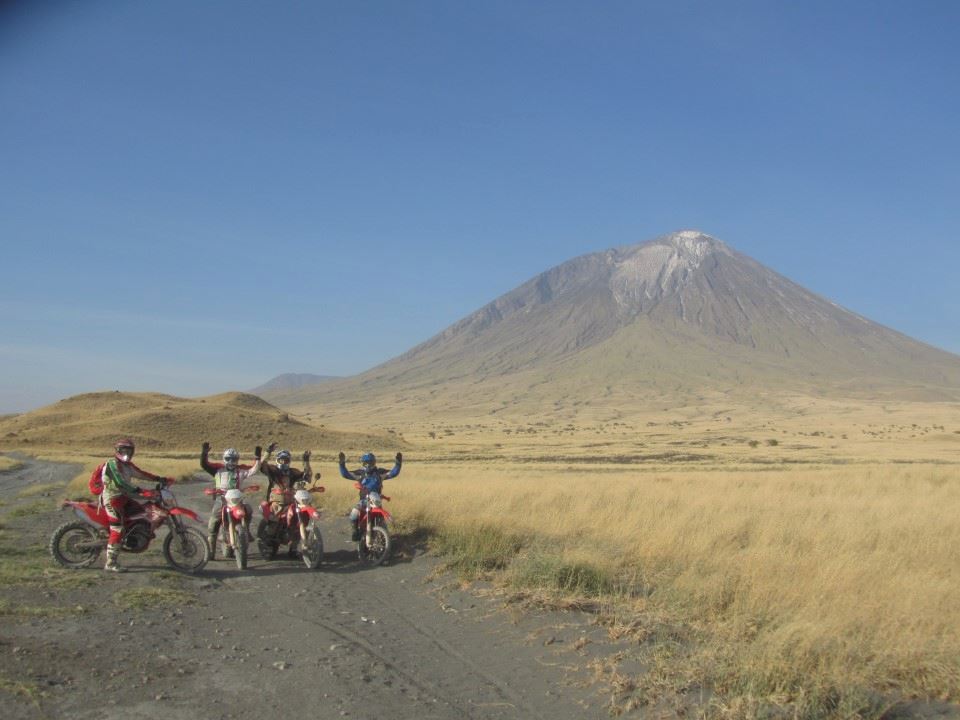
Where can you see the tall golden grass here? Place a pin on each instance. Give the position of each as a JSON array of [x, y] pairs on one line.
[[823, 589]]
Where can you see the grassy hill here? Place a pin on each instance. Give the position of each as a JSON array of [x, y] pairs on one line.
[[163, 423]]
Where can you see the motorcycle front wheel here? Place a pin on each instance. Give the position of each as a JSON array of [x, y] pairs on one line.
[[311, 549], [379, 548], [241, 547], [186, 550], [76, 545]]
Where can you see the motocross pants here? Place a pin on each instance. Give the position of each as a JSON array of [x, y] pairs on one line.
[[117, 508]]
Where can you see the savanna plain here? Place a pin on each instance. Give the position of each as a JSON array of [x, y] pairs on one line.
[[744, 562]]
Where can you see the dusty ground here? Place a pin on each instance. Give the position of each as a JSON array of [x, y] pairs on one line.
[[343, 641]]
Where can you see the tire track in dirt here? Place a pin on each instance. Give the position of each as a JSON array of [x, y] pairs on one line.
[[508, 695]]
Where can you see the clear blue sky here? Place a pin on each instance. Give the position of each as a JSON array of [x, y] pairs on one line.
[[196, 196]]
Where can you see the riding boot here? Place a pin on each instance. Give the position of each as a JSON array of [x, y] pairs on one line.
[[213, 529], [112, 552]]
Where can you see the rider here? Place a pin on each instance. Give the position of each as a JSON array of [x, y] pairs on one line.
[[283, 478], [226, 476], [120, 495], [371, 480]]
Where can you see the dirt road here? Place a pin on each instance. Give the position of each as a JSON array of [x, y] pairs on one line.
[[342, 641]]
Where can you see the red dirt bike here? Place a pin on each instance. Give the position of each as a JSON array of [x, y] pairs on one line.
[[281, 520], [235, 517], [374, 544], [78, 544]]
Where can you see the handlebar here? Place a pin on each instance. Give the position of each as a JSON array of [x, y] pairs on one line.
[[362, 489], [218, 491]]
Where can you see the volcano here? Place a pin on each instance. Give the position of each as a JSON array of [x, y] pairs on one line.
[[683, 313]]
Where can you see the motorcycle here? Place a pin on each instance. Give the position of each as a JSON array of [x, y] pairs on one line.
[[78, 544], [311, 541], [374, 544], [235, 517], [281, 520]]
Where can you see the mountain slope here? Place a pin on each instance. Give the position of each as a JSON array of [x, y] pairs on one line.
[[681, 312], [290, 381]]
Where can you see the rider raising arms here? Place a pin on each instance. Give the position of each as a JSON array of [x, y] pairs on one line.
[[282, 480], [227, 475], [371, 480], [120, 495]]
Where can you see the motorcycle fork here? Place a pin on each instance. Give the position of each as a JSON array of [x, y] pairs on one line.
[[176, 524]]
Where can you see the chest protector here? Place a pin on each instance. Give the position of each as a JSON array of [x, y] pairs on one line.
[[227, 479]]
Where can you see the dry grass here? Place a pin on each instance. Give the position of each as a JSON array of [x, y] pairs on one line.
[[815, 589], [7, 464]]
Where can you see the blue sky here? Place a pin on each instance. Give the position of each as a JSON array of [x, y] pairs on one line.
[[196, 196]]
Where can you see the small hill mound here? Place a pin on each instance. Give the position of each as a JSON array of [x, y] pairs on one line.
[[158, 422], [243, 400]]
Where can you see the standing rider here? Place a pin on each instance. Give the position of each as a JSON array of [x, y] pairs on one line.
[[120, 495], [371, 480], [227, 475], [281, 486]]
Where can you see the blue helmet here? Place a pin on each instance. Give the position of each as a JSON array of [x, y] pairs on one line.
[[369, 461]]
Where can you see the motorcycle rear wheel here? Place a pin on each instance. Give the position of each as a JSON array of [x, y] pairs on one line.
[[379, 548], [76, 545], [268, 548], [186, 550], [311, 549]]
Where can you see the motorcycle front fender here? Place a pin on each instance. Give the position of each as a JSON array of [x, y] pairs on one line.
[[239, 513], [185, 512]]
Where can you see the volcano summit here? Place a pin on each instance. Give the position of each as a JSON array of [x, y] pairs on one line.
[[683, 313]]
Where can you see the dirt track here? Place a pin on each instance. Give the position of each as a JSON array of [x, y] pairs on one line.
[[343, 641]]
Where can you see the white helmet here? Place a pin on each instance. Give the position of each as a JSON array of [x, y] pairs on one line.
[[233, 496], [230, 457], [303, 497]]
